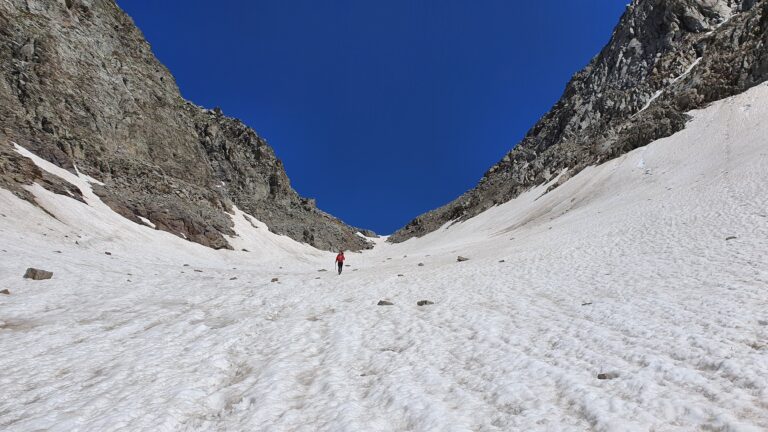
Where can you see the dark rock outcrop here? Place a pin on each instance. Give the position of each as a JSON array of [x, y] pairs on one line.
[[665, 57], [80, 87]]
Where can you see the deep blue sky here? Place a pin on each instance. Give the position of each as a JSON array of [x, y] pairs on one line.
[[381, 110]]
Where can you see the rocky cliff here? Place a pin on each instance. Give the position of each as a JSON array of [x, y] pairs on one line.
[[664, 58], [80, 87]]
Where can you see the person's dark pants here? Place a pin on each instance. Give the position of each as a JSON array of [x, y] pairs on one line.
[[341, 266]]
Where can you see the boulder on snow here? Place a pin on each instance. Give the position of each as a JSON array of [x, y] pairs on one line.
[[384, 303], [275, 279], [37, 274], [421, 264], [5, 291], [461, 258], [107, 253], [424, 303]]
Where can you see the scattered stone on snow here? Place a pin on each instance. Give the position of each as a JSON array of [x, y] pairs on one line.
[[730, 238], [501, 261], [461, 258], [586, 303], [607, 376], [421, 264], [400, 275], [245, 250], [233, 278], [199, 271], [107, 253], [322, 270], [424, 303], [384, 303], [275, 279], [5, 291], [37, 274]]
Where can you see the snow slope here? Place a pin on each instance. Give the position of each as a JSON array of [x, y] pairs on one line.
[[623, 270]]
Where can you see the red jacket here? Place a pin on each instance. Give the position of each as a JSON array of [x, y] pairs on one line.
[[340, 258]]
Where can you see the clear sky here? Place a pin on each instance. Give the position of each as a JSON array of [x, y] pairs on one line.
[[381, 110]]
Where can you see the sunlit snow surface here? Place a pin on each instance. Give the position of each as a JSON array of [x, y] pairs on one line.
[[624, 269]]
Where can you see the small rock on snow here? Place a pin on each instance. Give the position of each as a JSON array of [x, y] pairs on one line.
[[37, 274], [607, 376], [275, 279], [461, 258], [730, 238], [5, 291], [233, 278], [421, 264], [384, 303], [107, 253], [424, 303]]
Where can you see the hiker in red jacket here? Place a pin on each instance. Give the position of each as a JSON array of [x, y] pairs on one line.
[[340, 260]]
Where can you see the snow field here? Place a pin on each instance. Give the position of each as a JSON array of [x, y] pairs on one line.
[[623, 270]]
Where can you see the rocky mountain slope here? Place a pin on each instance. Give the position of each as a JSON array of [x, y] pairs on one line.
[[80, 87], [664, 58]]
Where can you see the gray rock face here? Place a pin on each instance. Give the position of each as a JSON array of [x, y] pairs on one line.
[[79, 86], [664, 58], [37, 274]]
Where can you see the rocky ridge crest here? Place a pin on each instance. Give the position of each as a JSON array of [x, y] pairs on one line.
[[664, 58], [80, 87]]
